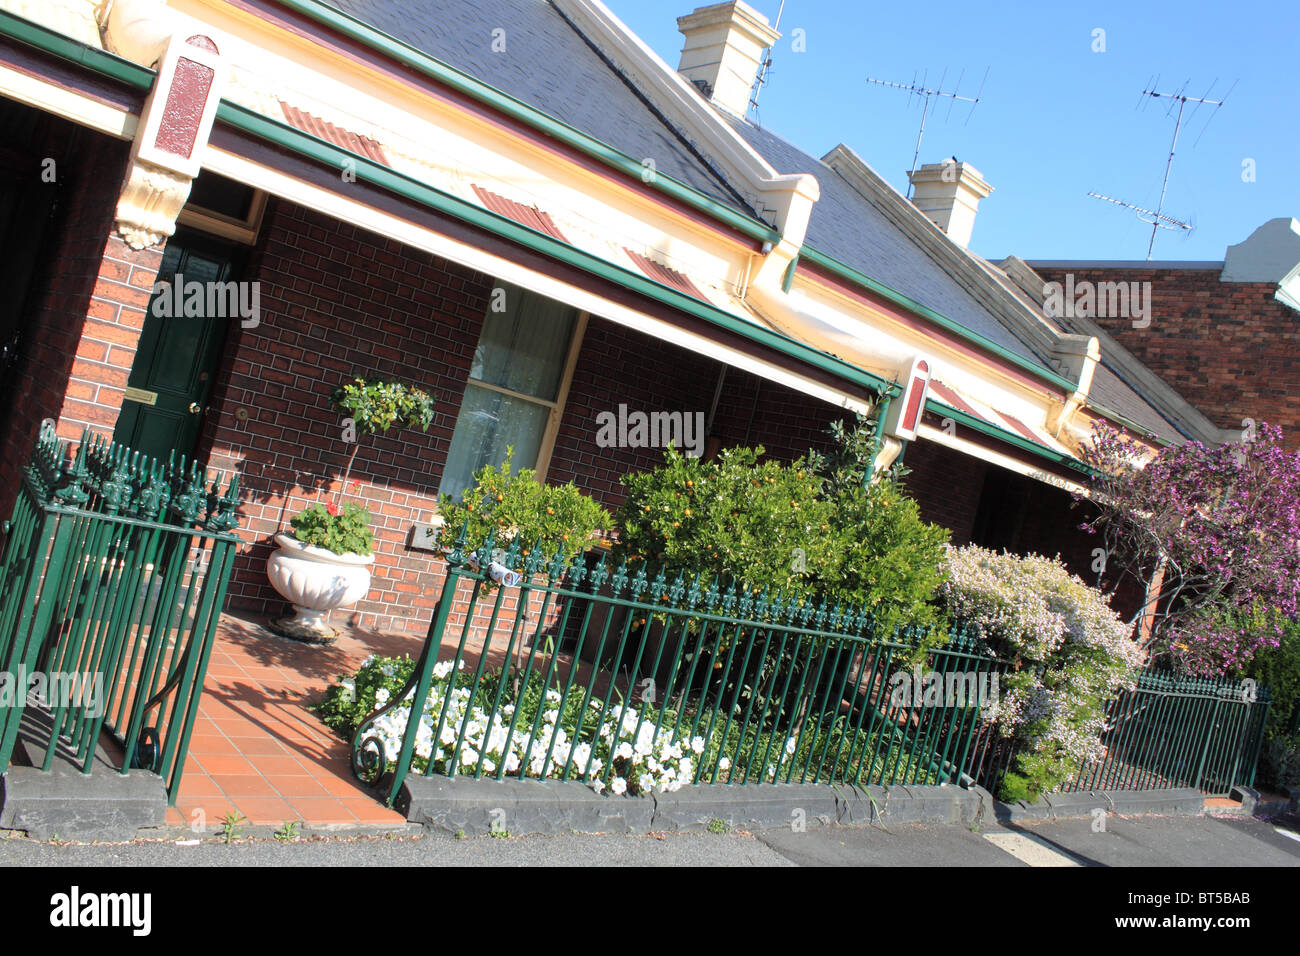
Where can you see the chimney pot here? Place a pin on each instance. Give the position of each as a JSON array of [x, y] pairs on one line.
[[723, 51], [949, 193]]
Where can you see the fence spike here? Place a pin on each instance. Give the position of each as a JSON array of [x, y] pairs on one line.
[[639, 583], [693, 593], [598, 575], [534, 559], [577, 570], [619, 581], [555, 569]]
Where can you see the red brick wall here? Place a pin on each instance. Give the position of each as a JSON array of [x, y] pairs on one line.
[[1229, 348], [946, 485], [621, 365], [81, 340], [338, 302]]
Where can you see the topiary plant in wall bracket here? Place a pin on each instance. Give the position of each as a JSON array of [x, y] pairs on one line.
[[376, 405]]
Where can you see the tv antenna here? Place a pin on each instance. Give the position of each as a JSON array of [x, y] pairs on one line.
[[926, 94], [764, 67], [1157, 220], [1177, 102]]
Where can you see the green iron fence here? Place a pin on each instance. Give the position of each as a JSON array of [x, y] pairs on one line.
[[717, 684], [113, 575], [1166, 731]]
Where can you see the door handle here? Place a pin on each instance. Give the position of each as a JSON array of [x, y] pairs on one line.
[[195, 408]]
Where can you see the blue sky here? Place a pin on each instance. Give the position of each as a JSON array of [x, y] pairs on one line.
[[1056, 120]]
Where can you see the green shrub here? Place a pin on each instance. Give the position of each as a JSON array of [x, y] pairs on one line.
[[516, 506], [813, 528], [736, 516], [350, 701], [341, 530], [1278, 670], [1282, 761]]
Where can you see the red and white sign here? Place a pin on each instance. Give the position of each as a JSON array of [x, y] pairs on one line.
[[905, 411]]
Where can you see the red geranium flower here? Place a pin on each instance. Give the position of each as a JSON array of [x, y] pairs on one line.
[[332, 508]]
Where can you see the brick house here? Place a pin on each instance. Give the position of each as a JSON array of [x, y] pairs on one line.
[[380, 174], [1223, 335]]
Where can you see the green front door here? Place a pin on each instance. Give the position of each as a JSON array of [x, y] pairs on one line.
[[172, 376]]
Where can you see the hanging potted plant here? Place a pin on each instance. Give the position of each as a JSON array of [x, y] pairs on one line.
[[325, 563]]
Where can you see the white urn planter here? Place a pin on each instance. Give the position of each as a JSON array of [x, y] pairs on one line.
[[315, 581]]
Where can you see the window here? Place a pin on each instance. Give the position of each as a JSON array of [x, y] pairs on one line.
[[224, 208], [517, 386]]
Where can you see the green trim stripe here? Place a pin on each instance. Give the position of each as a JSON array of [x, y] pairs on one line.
[[853, 276], [1011, 438], [66, 48]]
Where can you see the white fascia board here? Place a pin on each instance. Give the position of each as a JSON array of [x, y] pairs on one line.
[[66, 103]]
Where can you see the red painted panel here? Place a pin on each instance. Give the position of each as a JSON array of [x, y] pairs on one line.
[[343, 138], [950, 397], [184, 110], [1024, 429], [913, 411]]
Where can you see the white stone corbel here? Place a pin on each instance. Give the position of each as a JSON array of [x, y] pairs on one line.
[[177, 117]]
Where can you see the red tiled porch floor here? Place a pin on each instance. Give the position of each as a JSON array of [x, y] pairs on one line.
[[259, 750]]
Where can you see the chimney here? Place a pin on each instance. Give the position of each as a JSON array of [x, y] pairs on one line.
[[723, 51], [950, 193]]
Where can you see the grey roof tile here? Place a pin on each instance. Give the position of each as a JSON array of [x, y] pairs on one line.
[[1111, 392], [548, 65]]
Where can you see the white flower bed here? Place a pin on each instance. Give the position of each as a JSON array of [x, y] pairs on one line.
[[645, 759]]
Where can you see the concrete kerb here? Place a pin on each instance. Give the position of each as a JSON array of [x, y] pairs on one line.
[[1058, 806], [518, 807], [64, 803], [521, 807]]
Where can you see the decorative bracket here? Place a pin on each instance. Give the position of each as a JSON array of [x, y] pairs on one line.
[[174, 127]]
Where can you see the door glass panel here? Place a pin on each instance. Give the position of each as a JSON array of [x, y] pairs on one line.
[[181, 338]]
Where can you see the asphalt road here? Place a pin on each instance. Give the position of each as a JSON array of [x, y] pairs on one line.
[[1137, 841]]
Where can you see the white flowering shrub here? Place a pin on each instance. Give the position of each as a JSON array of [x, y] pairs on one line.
[[626, 752], [1070, 654]]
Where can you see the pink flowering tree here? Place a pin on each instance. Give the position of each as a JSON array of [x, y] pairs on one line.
[[1212, 535]]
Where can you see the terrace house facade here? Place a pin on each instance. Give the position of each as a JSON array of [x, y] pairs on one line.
[[520, 208]]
